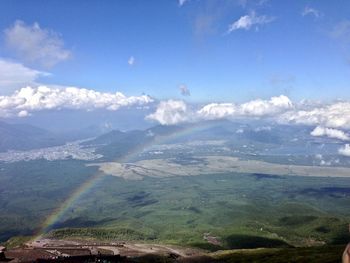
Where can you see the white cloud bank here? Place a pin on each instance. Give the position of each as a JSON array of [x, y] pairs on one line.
[[334, 115], [14, 76], [248, 21], [254, 108], [35, 44], [29, 99], [331, 133], [279, 109], [174, 111]]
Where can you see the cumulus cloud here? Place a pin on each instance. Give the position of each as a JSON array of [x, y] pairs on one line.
[[261, 107], [248, 21], [173, 111], [331, 133], [170, 112], [311, 11], [334, 115], [279, 109], [29, 99], [14, 76], [345, 150], [254, 108], [217, 110], [184, 90], [35, 44], [131, 61]]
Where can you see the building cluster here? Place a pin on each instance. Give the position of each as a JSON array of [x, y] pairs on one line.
[[73, 150]]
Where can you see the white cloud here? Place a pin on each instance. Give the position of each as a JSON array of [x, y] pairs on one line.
[[29, 99], [345, 150], [184, 90], [247, 21], [131, 61], [261, 107], [217, 110], [23, 113], [170, 112], [331, 133], [279, 109], [14, 76], [254, 108], [35, 44], [311, 11], [335, 115]]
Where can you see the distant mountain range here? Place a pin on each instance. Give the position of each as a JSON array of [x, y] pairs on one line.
[[26, 137], [22, 136], [246, 137]]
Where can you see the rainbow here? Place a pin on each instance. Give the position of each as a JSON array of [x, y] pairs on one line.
[[58, 213], [84, 188]]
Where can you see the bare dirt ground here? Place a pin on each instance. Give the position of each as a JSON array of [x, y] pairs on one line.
[[213, 165], [50, 249]]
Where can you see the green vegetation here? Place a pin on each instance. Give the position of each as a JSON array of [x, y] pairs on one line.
[[16, 241], [31, 191], [327, 254], [237, 210], [247, 241]]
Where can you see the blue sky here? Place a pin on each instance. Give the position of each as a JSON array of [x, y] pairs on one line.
[[172, 44]]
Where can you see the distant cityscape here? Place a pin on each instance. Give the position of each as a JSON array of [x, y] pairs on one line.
[[74, 150]]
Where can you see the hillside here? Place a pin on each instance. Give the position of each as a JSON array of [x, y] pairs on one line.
[[25, 137]]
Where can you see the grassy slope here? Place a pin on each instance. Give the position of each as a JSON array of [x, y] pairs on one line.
[[238, 209], [181, 210], [327, 254]]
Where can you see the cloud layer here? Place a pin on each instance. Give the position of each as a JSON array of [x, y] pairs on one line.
[[35, 44], [280, 109], [27, 100], [329, 119], [335, 115], [254, 108], [14, 76]]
